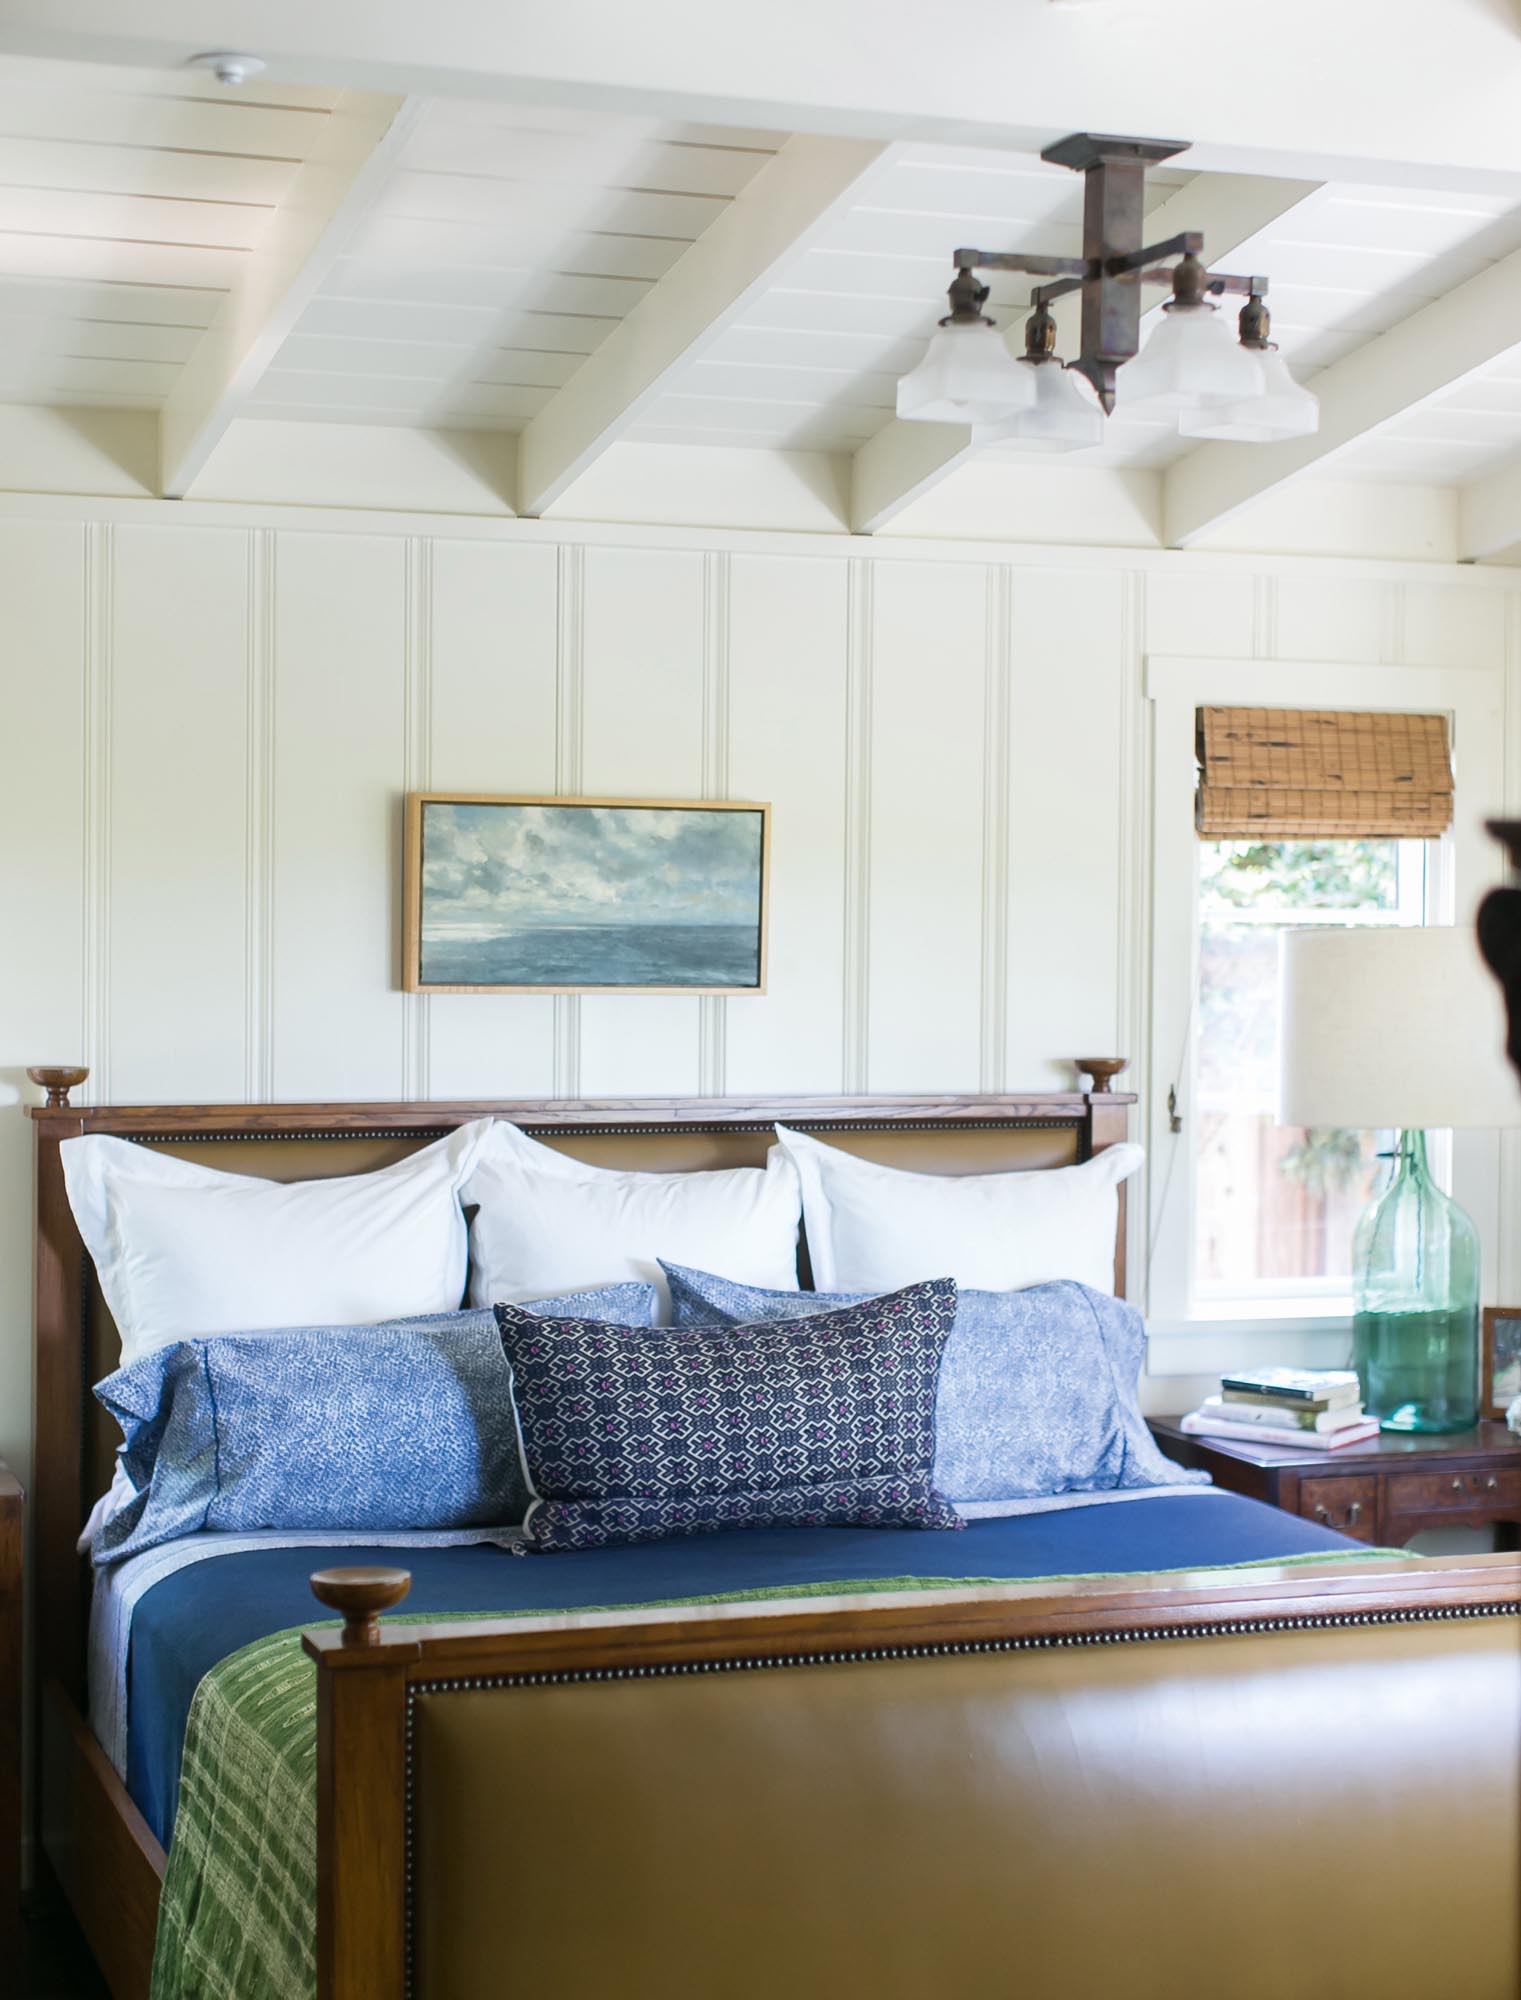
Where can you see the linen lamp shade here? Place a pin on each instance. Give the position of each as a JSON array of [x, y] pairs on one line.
[[1391, 1027]]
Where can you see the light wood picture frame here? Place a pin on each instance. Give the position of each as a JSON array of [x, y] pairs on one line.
[[1500, 1360], [529, 893]]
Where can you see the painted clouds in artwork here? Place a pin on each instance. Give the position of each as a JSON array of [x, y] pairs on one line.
[[495, 867]]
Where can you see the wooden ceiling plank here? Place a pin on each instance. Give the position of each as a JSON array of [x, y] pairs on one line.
[[904, 461], [83, 167], [794, 199], [227, 125], [362, 142], [92, 213], [1419, 358]]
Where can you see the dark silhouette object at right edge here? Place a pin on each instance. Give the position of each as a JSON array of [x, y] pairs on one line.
[[1500, 936]]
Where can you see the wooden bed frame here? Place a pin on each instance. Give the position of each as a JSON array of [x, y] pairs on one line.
[[374, 1682]]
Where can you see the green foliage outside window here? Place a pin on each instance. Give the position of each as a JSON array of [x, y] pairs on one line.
[[1296, 875]]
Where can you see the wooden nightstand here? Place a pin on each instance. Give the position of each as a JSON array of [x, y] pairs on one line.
[[12, 1509], [1384, 1490]]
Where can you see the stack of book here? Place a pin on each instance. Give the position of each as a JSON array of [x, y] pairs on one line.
[[1317, 1409]]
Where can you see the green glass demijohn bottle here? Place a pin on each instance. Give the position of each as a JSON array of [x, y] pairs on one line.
[[1415, 1265]]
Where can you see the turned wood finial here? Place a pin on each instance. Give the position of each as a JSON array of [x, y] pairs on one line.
[[57, 1079], [1103, 1070], [361, 1595]]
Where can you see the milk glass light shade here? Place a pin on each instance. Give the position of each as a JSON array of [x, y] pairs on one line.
[[1401, 1027], [1192, 360], [968, 376], [1064, 416], [1283, 410]]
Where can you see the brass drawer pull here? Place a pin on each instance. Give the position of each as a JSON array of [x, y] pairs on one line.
[[1354, 1513], [1457, 1486], [1491, 1485]]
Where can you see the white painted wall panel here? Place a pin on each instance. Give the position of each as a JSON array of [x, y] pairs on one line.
[[1208, 614], [492, 620], [925, 730], [1073, 667], [179, 814], [341, 636], [641, 692], [1442, 627], [42, 895], [788, 649], [1331, 617]]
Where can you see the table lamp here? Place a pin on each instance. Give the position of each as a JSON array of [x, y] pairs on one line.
[[1403, 1028]]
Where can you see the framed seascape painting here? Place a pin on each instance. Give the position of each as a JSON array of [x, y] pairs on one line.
[[544, 895]]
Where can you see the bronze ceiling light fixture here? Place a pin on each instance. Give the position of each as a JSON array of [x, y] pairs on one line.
[[1191, 369]]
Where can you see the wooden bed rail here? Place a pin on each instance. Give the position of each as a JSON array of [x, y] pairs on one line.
[[372, 1676]]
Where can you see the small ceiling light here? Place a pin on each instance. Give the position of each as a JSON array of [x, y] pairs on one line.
[[1190, 362], [229, 67], [1065, 415], [968, 375], [1283, 409]]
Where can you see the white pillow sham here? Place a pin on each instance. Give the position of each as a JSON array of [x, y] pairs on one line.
[[548, 1223], [183, 1250], [875, 1229]]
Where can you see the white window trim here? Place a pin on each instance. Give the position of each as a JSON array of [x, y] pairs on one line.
[[1474, 700]]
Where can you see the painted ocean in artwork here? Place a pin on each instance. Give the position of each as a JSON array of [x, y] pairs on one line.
[[575, 895]]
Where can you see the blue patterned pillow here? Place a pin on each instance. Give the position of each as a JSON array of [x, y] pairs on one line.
[[635, 1437], [408, 1424], [1037, 1391]]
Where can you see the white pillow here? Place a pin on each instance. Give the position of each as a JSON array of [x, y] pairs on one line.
[[875, 1229], [548, 1223], [184, 1250]]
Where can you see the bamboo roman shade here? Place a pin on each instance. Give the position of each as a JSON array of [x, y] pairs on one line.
[[1321, 774]]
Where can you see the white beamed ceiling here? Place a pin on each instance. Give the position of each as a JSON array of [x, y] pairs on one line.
[[503, 243]]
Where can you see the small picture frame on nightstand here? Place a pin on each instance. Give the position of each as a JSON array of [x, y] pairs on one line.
[[1500, 1365]]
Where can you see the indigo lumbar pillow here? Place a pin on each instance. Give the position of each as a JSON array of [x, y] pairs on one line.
[[820, 1422], [405, 1425], [1038, 1388]]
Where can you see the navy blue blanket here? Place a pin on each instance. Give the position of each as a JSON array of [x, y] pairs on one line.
[[188, 1622]]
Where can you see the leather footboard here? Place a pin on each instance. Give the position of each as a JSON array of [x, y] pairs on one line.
[[1327, 1812]]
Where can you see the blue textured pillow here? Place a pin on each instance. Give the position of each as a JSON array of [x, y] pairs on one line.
[[408, 1424], [1037, 1390], [632, 1437]]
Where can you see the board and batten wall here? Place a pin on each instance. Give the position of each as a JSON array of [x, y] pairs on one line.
[[211, 715]]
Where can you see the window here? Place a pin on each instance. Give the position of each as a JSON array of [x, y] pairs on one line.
[[1274, 1208], [1241, 1228]]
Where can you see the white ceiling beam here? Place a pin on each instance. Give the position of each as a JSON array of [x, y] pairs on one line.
[[782, 212], [1365, 90], [334, 189], [904, 461], [1489, 513], [1419, 358]]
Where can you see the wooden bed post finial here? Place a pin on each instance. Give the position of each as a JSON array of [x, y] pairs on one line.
[[1103, 1070], [57, 1079], [361, 1595]]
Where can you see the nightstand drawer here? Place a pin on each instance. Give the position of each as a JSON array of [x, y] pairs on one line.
[[1459, 1492], [1345, 1503]]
